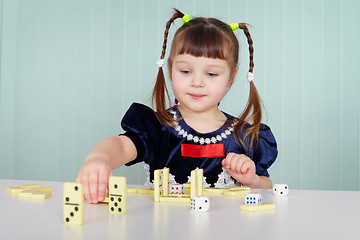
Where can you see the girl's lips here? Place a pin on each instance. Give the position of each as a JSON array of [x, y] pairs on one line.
[[196, 96]]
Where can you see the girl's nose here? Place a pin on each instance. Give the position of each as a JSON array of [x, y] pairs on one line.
[[197, 82]]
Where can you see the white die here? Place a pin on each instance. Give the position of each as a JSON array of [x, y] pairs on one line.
[[200, 204], [176, 188], [280, 189], [253, 198]]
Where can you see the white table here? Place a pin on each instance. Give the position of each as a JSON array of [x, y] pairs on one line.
[[300, 215]]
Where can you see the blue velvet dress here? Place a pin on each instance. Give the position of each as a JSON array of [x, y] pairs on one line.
[[159, 145]]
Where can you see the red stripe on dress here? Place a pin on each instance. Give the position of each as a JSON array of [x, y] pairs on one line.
[[198, 151]]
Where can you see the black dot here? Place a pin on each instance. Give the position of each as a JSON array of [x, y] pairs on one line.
[[76, 188], [199, 208], [76, 209], [119, 209], [71, 214], [67, 219], [285, 187], [115, 204], [119, 199], [115, 186], [281, 192], [112, 209], [111, 199], [67, 199]]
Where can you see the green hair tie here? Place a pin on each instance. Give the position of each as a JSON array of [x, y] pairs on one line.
[[234, 26], [186, 18]]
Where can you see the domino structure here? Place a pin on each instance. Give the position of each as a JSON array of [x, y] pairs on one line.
[[195, 196], [32, 191], [161, 187], [162, 192]]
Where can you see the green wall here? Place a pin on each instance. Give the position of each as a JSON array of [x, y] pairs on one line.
[[70, 69]]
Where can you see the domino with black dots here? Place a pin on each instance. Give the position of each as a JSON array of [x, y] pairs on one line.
[[117, 195], [73, 203]]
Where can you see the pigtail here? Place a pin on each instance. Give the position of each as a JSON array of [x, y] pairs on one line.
[[253, 112], [160, 91]]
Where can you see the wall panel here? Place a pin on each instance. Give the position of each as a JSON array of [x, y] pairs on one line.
[[69, 70]]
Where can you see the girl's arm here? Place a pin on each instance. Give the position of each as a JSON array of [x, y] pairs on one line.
[[108, 154], [243, 169], [261, 182]]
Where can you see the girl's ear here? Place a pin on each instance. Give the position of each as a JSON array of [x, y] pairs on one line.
[[232, 77]]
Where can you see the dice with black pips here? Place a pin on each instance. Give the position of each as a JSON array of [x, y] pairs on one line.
[[200, 204], [280, 189]]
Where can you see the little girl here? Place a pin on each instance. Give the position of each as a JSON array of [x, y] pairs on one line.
[[193, 133]]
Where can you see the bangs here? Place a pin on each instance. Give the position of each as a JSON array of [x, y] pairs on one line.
[[201, 41]]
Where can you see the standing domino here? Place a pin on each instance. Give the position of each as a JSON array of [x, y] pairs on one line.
[[73, 203], [117, 195], [280, 189]]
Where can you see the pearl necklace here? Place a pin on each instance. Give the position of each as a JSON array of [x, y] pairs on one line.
[[201, 140]]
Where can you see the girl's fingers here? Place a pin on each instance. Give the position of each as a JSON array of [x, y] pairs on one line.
[[247, 166], [78, 178], [93, 186], [94, 176], [238, 166], [235, 161], [103, 184], [85, 182], [227, 161]]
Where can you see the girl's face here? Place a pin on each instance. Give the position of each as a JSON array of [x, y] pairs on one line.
[[199, 83]]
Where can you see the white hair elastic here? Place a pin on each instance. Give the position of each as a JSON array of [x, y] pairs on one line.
[[250, 77], [160, 63]]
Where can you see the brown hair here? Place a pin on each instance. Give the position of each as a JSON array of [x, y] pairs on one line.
[[209, 37]]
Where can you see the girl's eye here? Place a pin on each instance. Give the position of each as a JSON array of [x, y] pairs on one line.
[[212, 74], [185, 71]]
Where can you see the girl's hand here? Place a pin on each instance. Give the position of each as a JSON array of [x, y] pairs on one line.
[[94, 175], [240, 167]]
